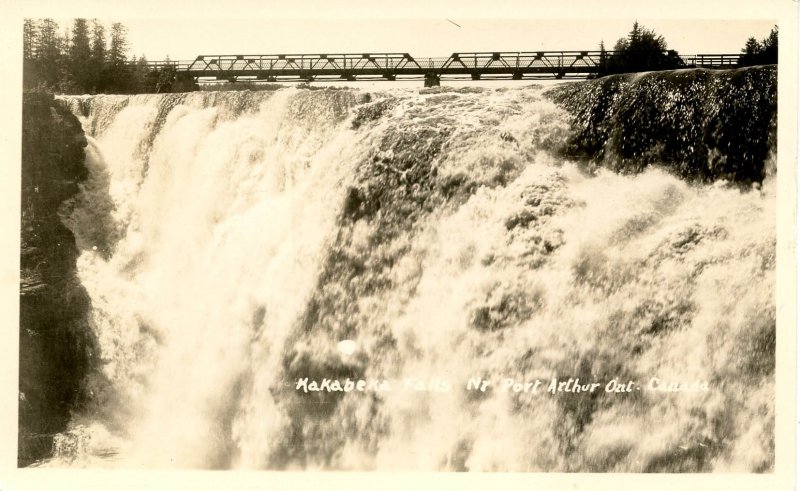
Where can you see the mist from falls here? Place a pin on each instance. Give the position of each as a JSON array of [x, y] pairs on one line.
[[231, 240]]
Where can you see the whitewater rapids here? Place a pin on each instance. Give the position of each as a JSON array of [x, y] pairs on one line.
[[232, 241]]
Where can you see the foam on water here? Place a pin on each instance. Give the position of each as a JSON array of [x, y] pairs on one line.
[[235, 241]]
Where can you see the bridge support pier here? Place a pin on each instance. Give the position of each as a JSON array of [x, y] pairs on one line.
[[432, 80], [184, 83]]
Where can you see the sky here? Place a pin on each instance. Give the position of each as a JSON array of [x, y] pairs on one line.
[[184, 39], [184, 29]]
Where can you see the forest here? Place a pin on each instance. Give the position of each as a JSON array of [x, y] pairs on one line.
[[83, 59]]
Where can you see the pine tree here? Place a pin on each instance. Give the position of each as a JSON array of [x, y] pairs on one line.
[[140, 76], [79, 68], [751, 47], [603, 58], [29, 41], [635, 35], [47, 53], [64, 83], [97, 60], [770, 47], [119, 44], [117, 69]]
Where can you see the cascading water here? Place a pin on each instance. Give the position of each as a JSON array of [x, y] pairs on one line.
[[232, 240]]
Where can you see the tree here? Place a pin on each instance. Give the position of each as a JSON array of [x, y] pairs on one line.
[[760, 53], [29, 72], [119, 44], [64, 82], [117, 69], [47, 53], [641, 50], [752, 47], [141, 77], [79, 56], [635, 35], [28, 39], [770, 46], [97, 58], [603, 56]]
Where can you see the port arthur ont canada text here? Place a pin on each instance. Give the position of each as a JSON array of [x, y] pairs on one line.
[[538, 386]]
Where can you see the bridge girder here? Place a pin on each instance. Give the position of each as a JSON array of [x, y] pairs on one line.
[[390, 66]]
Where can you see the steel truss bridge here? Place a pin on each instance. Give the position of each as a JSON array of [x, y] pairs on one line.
[[397, 66]]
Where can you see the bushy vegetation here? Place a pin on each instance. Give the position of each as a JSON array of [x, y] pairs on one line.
[[82, 59], [764, 52], [641, 50], [644, 50]]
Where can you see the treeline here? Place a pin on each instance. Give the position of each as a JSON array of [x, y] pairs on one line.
[[645, 50], [764, 52], [82, 60]]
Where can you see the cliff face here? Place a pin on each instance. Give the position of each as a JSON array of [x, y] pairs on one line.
[[701, 124], [55, 341]]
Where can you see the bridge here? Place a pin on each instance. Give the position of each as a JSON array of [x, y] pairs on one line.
[[399, 66]]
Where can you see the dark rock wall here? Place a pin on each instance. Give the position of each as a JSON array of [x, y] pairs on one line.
[[55, 341], [702, 125]]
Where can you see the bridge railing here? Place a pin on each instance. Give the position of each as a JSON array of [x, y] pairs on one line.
[[713, 60], [432, 63], [177, 65], [389, 61], [517, 60], [343, 62]]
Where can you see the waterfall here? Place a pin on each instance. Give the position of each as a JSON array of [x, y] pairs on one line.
[[239, 246]]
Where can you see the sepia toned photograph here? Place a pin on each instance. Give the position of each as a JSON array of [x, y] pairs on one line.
[[527, 245]]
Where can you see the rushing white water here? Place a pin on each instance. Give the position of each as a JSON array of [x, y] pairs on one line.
[[224, 262]]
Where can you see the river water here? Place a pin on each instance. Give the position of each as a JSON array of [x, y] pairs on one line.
[[238, 246]]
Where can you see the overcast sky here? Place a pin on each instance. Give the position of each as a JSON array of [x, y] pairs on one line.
[[184, 29], [181, 39]]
